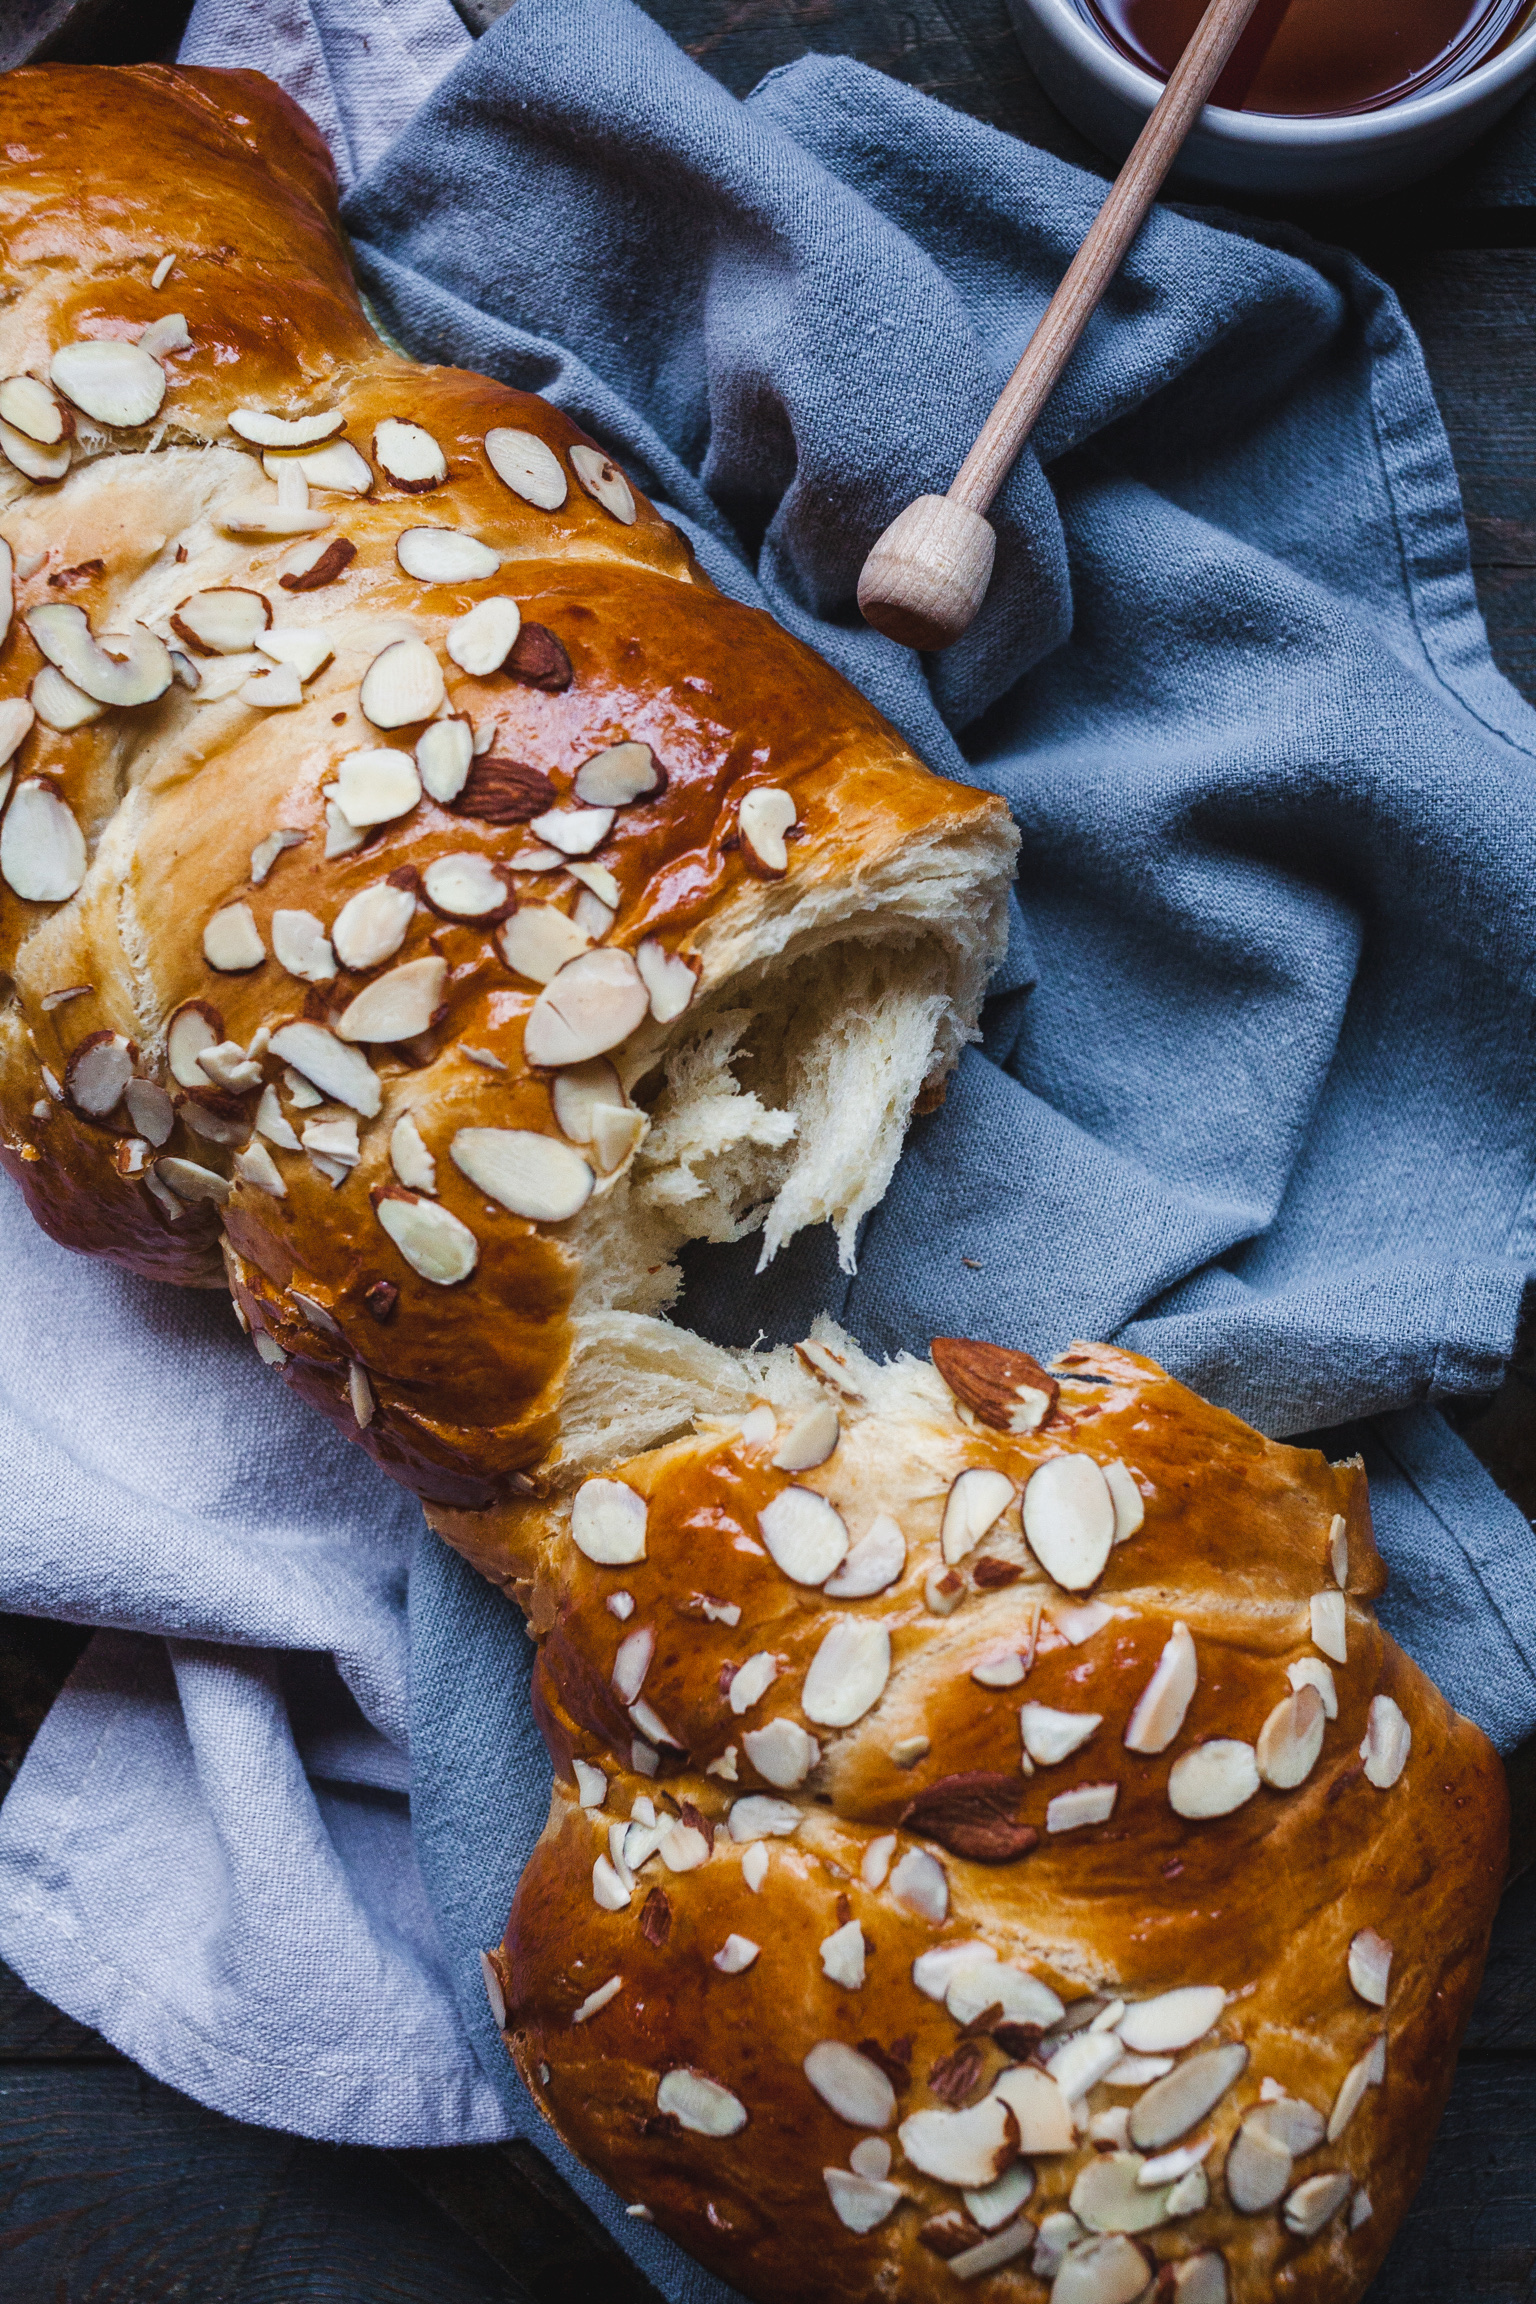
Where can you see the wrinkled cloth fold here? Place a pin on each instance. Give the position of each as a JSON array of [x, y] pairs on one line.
[[1253, 1092]]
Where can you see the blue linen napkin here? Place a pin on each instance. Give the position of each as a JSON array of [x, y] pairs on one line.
[[1252, 1095]]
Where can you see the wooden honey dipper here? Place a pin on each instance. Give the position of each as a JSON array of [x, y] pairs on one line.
[[928, 574]]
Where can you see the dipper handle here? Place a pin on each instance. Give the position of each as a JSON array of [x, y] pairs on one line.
[[928, 574]]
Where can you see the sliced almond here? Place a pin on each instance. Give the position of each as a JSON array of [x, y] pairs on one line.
[[529, 468], [539, 1177], [1370, 1965], [1107, 2196], [7, 611], [763, 818], [618, 775], [446, 556], [752, 1682], [1291, 1740], [1351, 2094], [396, 1006], [1006, 1388], [444, 750], [302, 648], [232, 940], [433, 1242], [273, 690], [42, 848], [465, 885], [167, 334], [376, 786], [1338, 1549], [608, 1520], [255, 1165], [1171, 2107], [995, 2203], [17, 717], [1213, 1779], [227, 1065], [59, 704], [271, 1123], [114, 382], [603, 481], [1050, 1736], [32, 460], [194, 1027], [30, 408], [99, 1070], [578, 1094], [805, 1535], [372, 925], [972, 2147], [123, 668], [409, 455], [1312, 2204], [810, 1440], [266, 852], [224, 620], [336, 466], [302, 947], [539, 940], [403, 684], [481, 641], [1388, 1737], [1040, 2110], [977, 1500], [336, 1069], [851, 2085], [219, 677], [189, 1180], [267, 431], [1084, 1804], [150, 1110], [1258, 2169], [670, 979], [1109, 2270], [1162, 1704], [341, 837], [848, 1673], [1330, 1621], [409, 1157], [859, 2202], [782, 1753], [1172, 2021], [920, 1884], [979, 1984], [292, 487], [874, 1564], [1130, 1506], [1069, 1520], [1312, 1672], [592, 1005], [260, 519], [700, 2104], [574, 831]]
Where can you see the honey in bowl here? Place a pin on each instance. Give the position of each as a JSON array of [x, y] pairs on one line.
[[1322, 57]]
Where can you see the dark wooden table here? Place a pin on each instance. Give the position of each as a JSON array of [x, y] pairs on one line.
[[116, 2190]]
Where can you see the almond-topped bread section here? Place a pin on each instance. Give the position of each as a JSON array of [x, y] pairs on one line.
[[425, 899], [981, 1850]]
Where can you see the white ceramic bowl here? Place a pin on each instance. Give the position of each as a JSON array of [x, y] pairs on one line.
[[1108, 98]]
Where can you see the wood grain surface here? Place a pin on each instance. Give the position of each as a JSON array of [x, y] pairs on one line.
[[114, 2189]]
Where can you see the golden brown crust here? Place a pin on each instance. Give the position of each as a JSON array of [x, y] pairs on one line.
[[1265, 1901], [460, 1385]]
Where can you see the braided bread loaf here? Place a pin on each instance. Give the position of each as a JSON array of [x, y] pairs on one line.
[[421, 886], [992, 1836]]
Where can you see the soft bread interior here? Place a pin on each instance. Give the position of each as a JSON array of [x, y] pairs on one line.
[[780, 1101], [635, 1382]]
